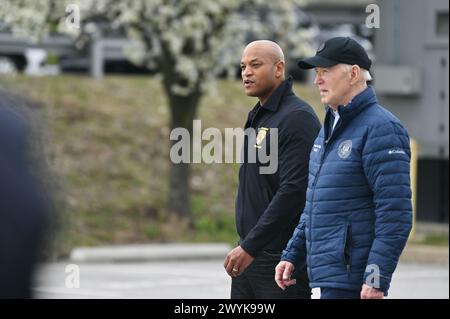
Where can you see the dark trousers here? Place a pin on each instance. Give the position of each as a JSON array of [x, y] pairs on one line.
[[258, 281], [334, 293]]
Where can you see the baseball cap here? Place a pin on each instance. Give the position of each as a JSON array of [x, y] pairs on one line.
[[338, 50]]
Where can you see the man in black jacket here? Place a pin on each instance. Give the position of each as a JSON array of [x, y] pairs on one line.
[[268, 206]]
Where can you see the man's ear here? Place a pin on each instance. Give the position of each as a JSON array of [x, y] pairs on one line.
[[355, 74], [279, 69]]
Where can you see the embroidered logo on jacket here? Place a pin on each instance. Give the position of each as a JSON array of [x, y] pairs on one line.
[[344, 149], [261, 135], [396, 151]]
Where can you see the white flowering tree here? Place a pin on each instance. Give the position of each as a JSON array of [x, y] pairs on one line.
[[189, 42]]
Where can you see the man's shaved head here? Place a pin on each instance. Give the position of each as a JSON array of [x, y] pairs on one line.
[[267, 47], [262, 67]]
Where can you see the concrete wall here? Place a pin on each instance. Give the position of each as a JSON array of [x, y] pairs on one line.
[[338, 11], [410, 53], [411, 79]]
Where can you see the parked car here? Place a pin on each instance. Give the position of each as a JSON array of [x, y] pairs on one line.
[[69, 56]]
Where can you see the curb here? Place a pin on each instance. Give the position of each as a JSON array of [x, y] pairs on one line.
[[150, 252], [413, 253]]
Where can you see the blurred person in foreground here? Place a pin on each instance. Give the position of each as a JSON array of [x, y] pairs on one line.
[[24, 210], [358, 212], [268, 205]]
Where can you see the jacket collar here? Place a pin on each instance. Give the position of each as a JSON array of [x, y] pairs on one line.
[[273, 102], [357, 104]]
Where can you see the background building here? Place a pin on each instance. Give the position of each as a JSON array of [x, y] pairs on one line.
[[411, 78]]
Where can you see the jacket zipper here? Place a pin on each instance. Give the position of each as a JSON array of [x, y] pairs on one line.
[[347, 224], [326, 143], [244, 173], [347, 246]]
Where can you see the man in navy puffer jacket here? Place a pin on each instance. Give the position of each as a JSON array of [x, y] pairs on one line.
[[358, 212]]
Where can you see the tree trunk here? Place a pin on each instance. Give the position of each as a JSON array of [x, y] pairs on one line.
[[183, 110]]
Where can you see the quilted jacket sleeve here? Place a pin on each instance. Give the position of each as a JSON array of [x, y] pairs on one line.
[[295, 251], [386, 162]]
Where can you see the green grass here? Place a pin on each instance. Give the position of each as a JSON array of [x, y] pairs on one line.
[[434, 240], [108, 144]]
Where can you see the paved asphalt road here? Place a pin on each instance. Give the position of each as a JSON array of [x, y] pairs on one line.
[[202, 280]]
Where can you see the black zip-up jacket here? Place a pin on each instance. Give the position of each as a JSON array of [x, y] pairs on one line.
[[268, 206]]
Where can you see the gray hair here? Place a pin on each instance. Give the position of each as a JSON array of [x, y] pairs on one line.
[[364, 73]]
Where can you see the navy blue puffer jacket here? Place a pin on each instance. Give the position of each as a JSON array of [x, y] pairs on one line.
[[358, 211]]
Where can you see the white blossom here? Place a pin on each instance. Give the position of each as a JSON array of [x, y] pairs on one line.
[[194, 39]]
